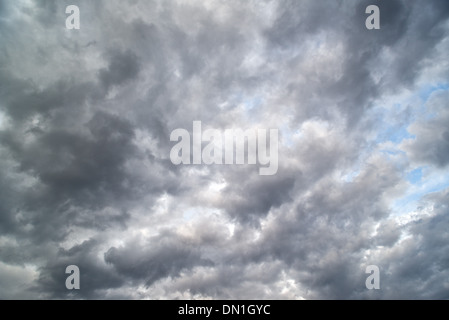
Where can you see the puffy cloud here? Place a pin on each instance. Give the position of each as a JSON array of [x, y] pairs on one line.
[[85, 170]]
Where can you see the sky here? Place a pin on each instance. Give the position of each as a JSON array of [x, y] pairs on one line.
[[86, 177]]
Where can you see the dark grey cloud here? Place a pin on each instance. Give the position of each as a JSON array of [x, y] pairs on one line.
[[123, 66], [97, 278], [164, 256], [418, 266], [354, 87], [254, 198], [86, 178]]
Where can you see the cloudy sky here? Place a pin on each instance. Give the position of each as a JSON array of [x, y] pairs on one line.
[[85, 171]]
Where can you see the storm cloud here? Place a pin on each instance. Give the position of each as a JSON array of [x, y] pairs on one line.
[[85, 171]]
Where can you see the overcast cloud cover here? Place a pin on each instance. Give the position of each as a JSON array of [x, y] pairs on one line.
[[85, 170]]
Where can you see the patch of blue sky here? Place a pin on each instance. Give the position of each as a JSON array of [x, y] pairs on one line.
[[394, 134], [423, 181], [288, 136], [349, 177], [251, 107], [250, 104], [415, 176], [235, 98], [389, 125], [393, 120], [392, 129], [426, 91]]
